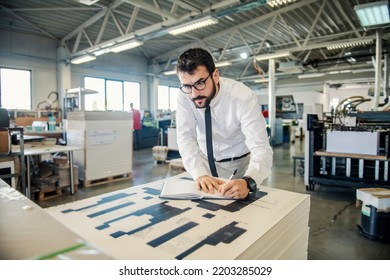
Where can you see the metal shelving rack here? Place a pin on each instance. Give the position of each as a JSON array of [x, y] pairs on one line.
[[75, 99], [22, 173]]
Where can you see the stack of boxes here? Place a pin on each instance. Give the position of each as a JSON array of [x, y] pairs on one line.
[[53, 176]]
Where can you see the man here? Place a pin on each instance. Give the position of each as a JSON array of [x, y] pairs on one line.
[[239, 137], [136, 126]]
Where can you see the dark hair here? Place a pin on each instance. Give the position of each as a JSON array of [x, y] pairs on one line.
[[192, 58]]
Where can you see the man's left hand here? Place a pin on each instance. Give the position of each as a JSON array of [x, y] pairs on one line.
[[208, 184]]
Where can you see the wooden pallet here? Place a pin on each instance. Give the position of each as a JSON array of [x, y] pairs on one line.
[[49, 193], [117, 178]]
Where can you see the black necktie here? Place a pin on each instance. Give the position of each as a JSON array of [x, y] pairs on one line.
[[209, 141]]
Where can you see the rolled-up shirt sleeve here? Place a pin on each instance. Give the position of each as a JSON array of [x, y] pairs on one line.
[[253, 126], [187, 126]]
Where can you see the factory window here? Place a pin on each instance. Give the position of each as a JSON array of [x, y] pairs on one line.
[[15, 89], [131, 94], [167, 98], [333, 103], [112, 95]]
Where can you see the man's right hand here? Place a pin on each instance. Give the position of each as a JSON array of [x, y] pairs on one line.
[[208, 184]]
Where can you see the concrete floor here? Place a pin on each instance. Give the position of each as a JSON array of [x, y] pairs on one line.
[[333, 214]]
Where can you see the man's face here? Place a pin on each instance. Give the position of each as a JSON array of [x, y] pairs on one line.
[[199, 79]]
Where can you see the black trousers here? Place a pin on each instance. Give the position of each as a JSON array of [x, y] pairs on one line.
[[137, 139]]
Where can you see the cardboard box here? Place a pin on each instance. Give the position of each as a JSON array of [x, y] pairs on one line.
[[377, 197], [160, 153], [63, 172], [5, 143]]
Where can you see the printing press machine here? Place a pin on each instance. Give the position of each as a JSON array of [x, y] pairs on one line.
[[348, 149]]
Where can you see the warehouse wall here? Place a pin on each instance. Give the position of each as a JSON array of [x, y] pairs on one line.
[[310, 95], [117, 67], [348, 91], [321, 93], [39, 55], [31, 53]]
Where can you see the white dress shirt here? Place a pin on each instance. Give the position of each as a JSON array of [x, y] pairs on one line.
[[238, 128]]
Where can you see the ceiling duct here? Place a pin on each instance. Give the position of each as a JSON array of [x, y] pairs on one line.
[[361, 52], [291, 67], [359, 55]]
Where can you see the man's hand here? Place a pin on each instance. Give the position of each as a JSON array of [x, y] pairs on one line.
[[208, 184], [236, 188]]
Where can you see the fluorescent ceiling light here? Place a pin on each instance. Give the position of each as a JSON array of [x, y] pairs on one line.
[[82, 59], [339, 72], [273, 55], [126, 46], [350, 43], [371, 14], [275, 3], [169, 72], [101, 51], [103, 48], [311, 75], [195, 24], [223, 63]]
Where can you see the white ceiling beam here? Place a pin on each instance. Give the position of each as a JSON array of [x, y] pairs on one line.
[[215, 6], [248, 23], [11, 11], [154, 27], [132, 20], [291, 30], [118, 24], [182, 4], [245, 43], [266, 35], [87, 37], [151, 8], [91, 20], [102, 27], [227, 43], [346, 18], [159, 7], [77, 43], [319, 13], [85, 24]]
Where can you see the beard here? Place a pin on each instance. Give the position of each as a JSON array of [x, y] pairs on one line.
[[207, 99]]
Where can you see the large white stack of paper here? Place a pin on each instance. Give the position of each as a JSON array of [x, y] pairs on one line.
[[101, 135], [28, 232], [135, 223]]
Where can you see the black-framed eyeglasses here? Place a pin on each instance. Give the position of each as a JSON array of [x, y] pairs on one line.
[[199, 85]]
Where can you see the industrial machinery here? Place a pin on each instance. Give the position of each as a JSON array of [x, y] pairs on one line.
[[350, 148]]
